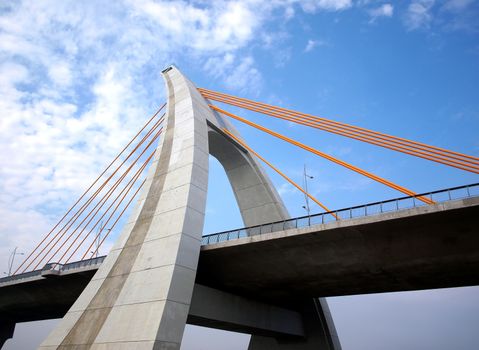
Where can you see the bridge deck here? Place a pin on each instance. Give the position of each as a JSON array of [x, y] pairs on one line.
[[427, 247], [420, 248]]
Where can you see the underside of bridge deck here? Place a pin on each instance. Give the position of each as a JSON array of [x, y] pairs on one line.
[[421, 248]]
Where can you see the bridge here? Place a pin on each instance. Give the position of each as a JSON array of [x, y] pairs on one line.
[[267, 279]]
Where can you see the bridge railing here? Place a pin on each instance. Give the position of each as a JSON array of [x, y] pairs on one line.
[[83, 263], [369, 209], [303, 221], [21, 276], [54, 269]]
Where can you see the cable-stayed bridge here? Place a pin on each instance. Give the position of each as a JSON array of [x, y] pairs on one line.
[[267, 279]]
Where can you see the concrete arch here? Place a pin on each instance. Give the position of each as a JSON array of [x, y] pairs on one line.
[[257, 199]]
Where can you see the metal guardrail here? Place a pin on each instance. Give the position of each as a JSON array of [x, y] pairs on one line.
[[83, 263], [54, 267], [375, 208], [303, 221], [21, 276]]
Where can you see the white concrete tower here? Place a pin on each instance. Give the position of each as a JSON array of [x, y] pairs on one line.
[[140, 297]]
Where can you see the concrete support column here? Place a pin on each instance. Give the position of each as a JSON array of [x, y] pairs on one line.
[[318, 328], [140, 297], [7, 329]]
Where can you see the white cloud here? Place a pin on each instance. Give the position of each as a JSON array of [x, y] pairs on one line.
[[450, 15], [312, 6], [419, 14], [289, 12], [61, 74], [281, 57], [244, 76], [287, 189], [457, 5], [236, 73], [363, 2], [222, 26], [312, 44], [385, 10], [218, 65]]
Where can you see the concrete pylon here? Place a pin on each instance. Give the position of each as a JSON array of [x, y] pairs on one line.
[[140, 296]]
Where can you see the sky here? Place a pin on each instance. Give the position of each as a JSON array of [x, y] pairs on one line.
[[77, 79]]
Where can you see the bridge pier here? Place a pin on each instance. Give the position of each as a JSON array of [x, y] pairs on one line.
[[7, 329], [319, 332]]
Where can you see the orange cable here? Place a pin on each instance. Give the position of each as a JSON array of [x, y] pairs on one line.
[[324, 155], [242, 143], [214, 95], [88, 189], [118, 218], [90, 200], [393, 145], [117, 206], [327, 121], [103, 200], [387, 144], [127, 187]]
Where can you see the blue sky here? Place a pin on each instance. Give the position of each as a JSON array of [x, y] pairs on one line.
[[78, 78]]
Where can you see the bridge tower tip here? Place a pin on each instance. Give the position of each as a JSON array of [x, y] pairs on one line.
[[169, 67]]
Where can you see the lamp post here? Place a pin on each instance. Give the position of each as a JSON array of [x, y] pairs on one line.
[[100, 230], [11, 260], [306, 197]]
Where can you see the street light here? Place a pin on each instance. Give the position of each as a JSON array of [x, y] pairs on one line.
[[11, 260], [100, 230], [306, 197]]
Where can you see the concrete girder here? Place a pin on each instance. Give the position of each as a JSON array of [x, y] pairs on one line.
[[218, 309]]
